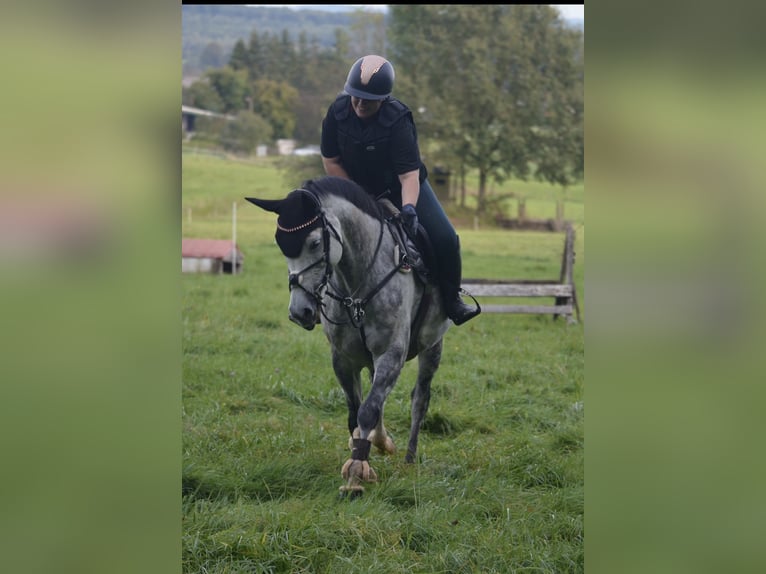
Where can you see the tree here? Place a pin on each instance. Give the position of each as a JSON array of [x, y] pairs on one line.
[[368, 30], [231, 86], [558, 141], [202, 95], [244, 133], [255, 56], [290, 85], [342, 44], [212, 56], [275, 102], [240, 58], [483, 76], [317, 76]]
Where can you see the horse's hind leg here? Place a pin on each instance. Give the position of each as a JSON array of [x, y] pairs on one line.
[[428, 363]]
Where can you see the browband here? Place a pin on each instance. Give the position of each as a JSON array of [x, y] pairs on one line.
[[299, 227]]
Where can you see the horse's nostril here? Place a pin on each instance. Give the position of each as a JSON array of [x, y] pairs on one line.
[[305, 315]]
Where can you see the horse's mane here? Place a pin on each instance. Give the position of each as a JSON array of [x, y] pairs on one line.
[[345, 189]]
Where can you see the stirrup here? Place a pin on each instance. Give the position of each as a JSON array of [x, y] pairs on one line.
[[468, 315]]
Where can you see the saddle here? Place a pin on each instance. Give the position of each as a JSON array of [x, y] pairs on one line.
[[415, 254]]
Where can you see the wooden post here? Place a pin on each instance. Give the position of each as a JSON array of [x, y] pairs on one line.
[[234, 239], [559, 213], [567, 269]]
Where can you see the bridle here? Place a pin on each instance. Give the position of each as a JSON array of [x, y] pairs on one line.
[[354, 306], [293, 279]]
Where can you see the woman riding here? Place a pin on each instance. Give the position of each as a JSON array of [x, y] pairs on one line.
[[369, 136]]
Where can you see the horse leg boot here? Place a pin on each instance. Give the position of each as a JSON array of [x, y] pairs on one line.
[[450, 276]]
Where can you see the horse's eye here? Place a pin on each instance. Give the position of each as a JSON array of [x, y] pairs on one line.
[[314, 245]]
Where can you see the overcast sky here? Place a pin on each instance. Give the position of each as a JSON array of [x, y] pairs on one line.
[[571, 10], [567, 10]]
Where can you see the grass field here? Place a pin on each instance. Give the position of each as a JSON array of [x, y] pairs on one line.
[[499, 483]]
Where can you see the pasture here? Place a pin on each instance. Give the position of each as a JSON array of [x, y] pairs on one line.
[[498, 485]]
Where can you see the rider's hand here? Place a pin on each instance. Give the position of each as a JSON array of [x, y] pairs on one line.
[[410, 219]]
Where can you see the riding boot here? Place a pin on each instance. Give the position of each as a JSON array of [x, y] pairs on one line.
[[450, 277]]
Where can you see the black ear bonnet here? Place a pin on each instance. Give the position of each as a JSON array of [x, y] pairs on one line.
[[299, 213]]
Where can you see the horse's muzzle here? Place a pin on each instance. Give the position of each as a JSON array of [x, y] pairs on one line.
[[309, 326], [303, 308], [306, 316]]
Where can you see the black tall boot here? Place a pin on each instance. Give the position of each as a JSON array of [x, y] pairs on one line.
[[449, 282]]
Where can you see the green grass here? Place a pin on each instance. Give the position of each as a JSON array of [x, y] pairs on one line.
[[498, 485]]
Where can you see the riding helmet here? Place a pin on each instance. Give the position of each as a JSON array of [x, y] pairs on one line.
[[370, 78]]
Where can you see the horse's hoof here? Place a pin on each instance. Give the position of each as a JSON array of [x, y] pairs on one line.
[[390, 447], [386, 445], [358, 470]]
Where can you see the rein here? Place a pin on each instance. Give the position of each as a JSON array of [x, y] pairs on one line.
[[355, 307]]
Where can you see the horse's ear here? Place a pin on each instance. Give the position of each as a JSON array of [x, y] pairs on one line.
[[273, 205]]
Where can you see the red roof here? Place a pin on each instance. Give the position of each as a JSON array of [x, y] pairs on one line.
[[212, 248]]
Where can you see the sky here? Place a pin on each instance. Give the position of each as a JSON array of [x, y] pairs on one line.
[[576, 11], [571, 10]]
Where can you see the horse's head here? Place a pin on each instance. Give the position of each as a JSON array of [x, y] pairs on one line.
[[310, 241]]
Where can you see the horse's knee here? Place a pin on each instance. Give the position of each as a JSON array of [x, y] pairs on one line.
[[368, 416]]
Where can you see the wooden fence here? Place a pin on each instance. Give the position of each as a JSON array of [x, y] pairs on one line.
[[562, 290]]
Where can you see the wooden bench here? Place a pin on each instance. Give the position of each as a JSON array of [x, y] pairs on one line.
[[562, 290]]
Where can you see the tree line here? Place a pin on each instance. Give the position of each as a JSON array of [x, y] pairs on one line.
[[211, 30], [493, 88]]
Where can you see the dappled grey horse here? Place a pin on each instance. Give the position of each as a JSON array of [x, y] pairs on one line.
[[347, 263]]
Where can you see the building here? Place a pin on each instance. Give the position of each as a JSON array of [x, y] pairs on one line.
[[210, 256], [285, 146]]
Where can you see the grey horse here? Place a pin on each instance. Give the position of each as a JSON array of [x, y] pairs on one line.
[[348, 270]]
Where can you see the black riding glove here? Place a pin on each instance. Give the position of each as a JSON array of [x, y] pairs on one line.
[[410, 219]]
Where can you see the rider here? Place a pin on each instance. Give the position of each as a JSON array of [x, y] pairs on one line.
[[370, 137]]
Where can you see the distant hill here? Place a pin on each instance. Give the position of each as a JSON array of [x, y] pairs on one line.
[[225, 24]]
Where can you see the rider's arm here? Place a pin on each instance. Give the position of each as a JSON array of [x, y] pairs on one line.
[[333, 166], [410, 186]]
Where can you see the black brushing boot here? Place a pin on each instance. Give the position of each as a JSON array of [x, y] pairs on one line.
[[451, 274]]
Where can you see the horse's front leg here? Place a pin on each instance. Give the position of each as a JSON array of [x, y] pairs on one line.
[[349, 377], [370, 417]]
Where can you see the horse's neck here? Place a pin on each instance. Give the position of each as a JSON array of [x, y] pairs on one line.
[[361, 253]]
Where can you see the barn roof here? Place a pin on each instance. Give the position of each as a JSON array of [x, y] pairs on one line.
[[212, 248]]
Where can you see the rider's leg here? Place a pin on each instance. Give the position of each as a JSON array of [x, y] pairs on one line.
[[446, 246]]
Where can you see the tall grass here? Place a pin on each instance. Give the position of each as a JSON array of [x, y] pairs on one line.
[[498, 484]]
